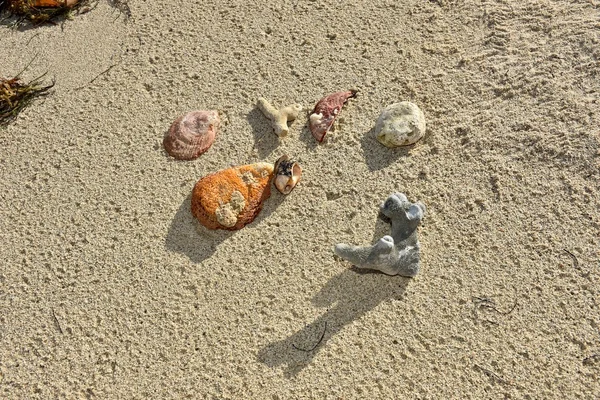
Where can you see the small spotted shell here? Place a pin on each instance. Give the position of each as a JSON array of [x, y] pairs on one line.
[[326, 111], [287, 174], [231, 198], [192, 134]]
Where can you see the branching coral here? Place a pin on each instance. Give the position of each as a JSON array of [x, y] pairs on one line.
[[397, 254], [279, 118]]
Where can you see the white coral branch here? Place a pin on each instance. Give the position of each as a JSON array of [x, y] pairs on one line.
[[279, 118]]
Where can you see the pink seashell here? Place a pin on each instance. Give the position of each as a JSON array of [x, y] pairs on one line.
[[192, 134], [326, 111]]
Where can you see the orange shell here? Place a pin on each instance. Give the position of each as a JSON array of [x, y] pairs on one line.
[[192, 134], [232, 198], [53, 3]]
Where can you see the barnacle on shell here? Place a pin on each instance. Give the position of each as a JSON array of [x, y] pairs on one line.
[[233, 197]]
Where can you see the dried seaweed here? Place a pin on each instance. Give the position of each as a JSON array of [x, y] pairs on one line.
[[122, 6], [15, 96]]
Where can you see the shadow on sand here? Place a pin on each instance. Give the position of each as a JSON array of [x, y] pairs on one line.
[[187, 236], [265, 140], [347, 296], [377, 156], [307, 137]]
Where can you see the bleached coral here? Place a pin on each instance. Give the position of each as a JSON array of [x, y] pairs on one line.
[[397, 254], [279, 117]]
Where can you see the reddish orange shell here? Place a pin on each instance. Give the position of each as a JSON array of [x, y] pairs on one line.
[[53, 3], [232, 198], [326, 111], [192, 134]]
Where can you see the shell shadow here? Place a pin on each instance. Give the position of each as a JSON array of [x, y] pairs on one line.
[[377, 156], [265, 140], [307, 137], [187, 236], [347, 296]]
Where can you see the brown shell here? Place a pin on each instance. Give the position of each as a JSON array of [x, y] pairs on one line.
[[192, 134], [326, 111], [232, 198]]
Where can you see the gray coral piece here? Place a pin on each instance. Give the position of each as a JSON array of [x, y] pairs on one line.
[[397, 254]]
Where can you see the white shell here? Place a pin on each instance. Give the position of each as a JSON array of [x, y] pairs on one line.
[[400, 124]]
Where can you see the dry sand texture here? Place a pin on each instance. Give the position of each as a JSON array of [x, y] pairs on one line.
[[109, 289]]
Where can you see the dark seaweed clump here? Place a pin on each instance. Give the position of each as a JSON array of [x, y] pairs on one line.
[[15, 96]]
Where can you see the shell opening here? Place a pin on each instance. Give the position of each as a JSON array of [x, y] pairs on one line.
[[287, 174]]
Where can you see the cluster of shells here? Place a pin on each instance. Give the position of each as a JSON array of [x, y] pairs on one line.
[[231, 198]]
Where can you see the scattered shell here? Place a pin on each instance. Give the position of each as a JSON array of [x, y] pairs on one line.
[[287, 174], [279, 118], [326, 111], [192, 134], [400, 124], [233, 197]]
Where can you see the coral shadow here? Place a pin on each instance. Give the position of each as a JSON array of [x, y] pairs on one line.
[[265, 140], [348, 296], [187, 236], [377, 156]]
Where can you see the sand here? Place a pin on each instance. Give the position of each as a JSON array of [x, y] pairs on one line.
[[109, 289]]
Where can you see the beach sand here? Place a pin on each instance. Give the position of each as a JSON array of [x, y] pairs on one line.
[[110, 289]]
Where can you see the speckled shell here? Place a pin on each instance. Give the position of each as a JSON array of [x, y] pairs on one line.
[[192, 134], [326, 111], [232, 198], [287, 174]]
